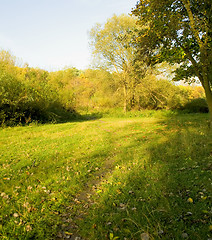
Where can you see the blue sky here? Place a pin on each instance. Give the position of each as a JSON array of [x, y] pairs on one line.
[[52, 34]]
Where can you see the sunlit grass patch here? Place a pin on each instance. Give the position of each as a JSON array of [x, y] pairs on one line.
[[149, 191], [41, 174], [151, 176]]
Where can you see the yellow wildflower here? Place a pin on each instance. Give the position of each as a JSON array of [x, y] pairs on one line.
[[190, 200]]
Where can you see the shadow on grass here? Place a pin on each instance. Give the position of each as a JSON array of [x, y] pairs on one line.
[[73, 117], [160, 188], [89, 116], [54, 118]]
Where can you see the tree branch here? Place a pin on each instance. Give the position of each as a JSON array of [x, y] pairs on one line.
[[187, 5]]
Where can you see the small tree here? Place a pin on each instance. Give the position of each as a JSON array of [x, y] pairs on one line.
[[113, 50]]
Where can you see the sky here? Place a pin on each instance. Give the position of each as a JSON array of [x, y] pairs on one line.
[[53, 34]]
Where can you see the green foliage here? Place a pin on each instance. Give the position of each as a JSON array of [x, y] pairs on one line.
[[29, 94], [12, 97], [26, 95], [104, 89], [137, 85], [111, 42], [64, 82], [169, 33], [196, 105], [177, 32], [113, 50]]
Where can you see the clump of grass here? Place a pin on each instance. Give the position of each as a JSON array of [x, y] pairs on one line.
[[158, 182]]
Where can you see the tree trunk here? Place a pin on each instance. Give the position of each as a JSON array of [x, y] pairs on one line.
[[125, 98], [208, 93]]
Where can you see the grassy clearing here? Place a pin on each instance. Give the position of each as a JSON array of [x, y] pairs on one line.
[[157, 183]]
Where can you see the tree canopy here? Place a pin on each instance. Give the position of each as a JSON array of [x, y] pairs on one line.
[[178, 32], [125, 47], [111, 43]]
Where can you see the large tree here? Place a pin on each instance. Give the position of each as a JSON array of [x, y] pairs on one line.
[[178, 31], [112, 48]]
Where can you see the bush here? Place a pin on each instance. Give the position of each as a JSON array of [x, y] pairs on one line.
[[198, 105], [24, 102]]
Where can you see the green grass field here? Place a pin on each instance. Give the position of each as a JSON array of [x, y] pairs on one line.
[[128, 177]]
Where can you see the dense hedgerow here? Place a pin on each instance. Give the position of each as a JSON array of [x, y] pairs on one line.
[[22, 102], [26, 95]]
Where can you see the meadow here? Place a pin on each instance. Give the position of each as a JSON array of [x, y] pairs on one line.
[[134, 176]]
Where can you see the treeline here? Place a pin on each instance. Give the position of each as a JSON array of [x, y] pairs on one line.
[[27, 94], [32, 94]]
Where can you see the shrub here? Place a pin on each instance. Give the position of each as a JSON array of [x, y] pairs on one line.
[[196, 105], [30, 100]]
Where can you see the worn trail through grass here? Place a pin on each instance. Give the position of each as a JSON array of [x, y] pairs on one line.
[[85, 198], [110, 178]]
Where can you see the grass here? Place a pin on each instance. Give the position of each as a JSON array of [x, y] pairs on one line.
[[126, 177]]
